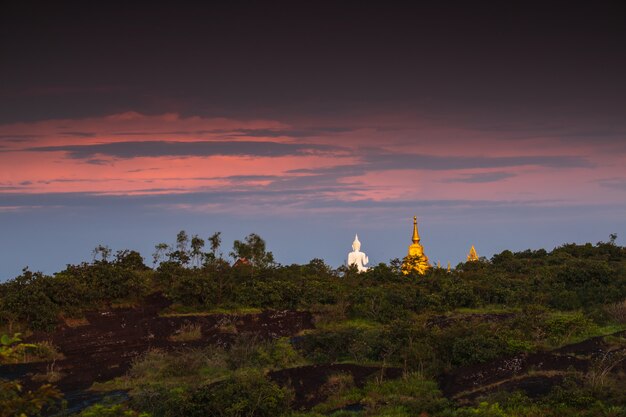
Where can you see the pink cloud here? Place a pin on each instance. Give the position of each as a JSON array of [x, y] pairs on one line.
[[358, 144]]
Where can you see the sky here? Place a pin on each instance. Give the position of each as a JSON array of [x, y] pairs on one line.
[[500, 126]]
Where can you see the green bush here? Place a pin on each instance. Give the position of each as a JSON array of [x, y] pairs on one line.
[[119, 410], [345, 343], [412, 395], [161, 401], [14, 401], [248, 393], [26, 298]]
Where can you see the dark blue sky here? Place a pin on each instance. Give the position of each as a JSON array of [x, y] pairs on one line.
[[497, 125]]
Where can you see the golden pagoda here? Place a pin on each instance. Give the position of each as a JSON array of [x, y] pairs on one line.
[[416, 260], [472, 256]]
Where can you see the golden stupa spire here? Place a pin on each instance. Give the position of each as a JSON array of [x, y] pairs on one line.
[[416, 260], [416, 236], [472, 256]]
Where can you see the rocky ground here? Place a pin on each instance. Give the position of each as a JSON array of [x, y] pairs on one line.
[[105, 344], [534, 373]]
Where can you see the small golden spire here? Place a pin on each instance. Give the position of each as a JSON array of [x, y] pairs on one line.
[[416, 236], [448, 266], [472, 256], [416, 260]]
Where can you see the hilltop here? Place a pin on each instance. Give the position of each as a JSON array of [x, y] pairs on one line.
[[526, 333]]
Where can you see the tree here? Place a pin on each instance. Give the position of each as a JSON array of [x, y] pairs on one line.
[[130, 259], [182, 240], [196, 249], [26, 298], [181, 255], [216, 242], [160, 249], [104, 252], [252, 249]]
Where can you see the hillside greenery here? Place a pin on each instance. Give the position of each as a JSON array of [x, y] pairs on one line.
[[426, 325]]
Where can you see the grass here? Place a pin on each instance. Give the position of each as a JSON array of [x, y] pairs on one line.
[[189, 368], [187, 333], [489, 309], [227, 324], [177, 310], [362, 324], [126, 304], [573, 327], [39, 352], [75, 322], [409, 394], [617, 311], [46, 351], [51, 376]]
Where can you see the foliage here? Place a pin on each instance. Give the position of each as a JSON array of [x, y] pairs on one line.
[[248, 393], [252, 249], [118, 410], [11, 348], [412, 394], [424, 324], [14, 402]]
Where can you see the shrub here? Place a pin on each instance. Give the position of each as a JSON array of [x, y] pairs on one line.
[[617, 311], [188, 332], [12, 350], [562, 327], [161, 401], [337, 384], [412, 394], [15, 402], [155, 365], [476, 348], [118, 410], [345, 343], [25, 298], [248, 393], [278, 354], [461, 345]]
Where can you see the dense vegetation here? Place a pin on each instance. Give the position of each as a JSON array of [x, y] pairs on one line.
[[426, 325]]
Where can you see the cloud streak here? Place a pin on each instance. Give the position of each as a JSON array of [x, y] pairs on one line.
[[303, 198], [155, 149], [480, 177], [345, 160], [401, 161], [613, 183]]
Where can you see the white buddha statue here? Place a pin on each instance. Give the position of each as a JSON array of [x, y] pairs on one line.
[[356, 257]]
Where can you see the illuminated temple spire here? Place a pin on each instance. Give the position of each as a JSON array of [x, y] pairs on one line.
[[416, 237], [472, 256], [416, 260]]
